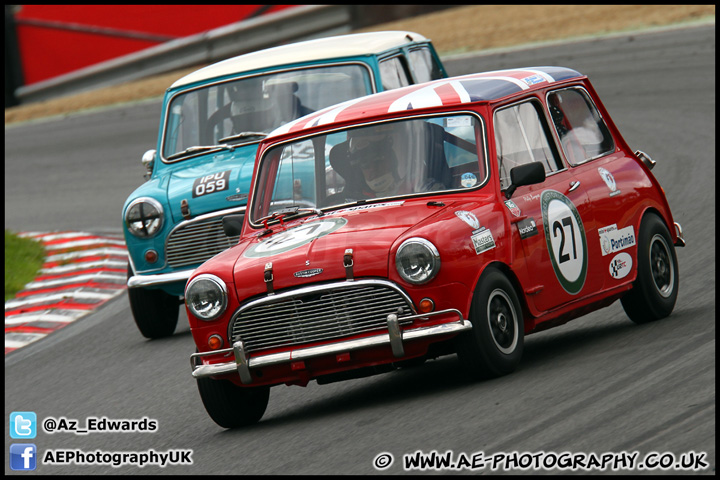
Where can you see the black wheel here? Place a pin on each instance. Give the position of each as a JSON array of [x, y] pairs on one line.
[[231, 406], [155, 311], [655, 290], [494, 346]]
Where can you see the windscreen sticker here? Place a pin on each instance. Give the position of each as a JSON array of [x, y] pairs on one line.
[[294, 237], [565, 238], [613, 240], [468, 180]]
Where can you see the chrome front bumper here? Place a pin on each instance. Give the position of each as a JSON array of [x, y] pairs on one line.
[[137, 281], [395, 337]]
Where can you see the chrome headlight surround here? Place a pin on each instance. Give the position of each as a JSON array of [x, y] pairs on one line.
[[206, 297], [417, 260], [144, 217]]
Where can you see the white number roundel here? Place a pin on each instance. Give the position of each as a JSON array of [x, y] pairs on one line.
[[294, 237], [565, 237]]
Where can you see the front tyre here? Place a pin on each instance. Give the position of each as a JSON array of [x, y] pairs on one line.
[[155, 311], [231, 406], [494, 346], [655, 291]]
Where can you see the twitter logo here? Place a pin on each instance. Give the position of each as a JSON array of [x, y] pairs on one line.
[[23, 425]]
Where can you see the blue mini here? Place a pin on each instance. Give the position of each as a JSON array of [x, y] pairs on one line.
[[211, 123]]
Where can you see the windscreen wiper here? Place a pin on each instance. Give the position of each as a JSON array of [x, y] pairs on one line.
[[288, 212], [243, 135], [200, 148]]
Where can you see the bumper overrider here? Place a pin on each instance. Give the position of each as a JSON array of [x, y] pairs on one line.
[[396, 338]]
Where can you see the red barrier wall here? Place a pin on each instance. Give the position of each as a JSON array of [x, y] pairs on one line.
[[58, 39]]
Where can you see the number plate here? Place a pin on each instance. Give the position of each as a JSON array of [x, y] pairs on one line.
[[216, 182]]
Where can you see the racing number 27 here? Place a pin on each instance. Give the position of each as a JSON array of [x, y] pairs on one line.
[[558, 227]]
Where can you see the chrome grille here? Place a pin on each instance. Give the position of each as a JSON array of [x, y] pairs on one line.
[[315, 316], [194, 242]]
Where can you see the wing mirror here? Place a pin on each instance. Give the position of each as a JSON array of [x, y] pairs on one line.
[[232, 224], [527, 174], [148, 160]]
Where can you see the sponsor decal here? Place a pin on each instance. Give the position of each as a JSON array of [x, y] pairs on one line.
[[565, 238], [294, 237], [308, 273], [482, 240], [366, 207], [527, 227], [533, 79], [620, 266], [512, 207], [215, 182], [609, 181], [469, 218], [613, 240]]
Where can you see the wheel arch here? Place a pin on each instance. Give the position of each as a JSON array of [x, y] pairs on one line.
[[505, 269]]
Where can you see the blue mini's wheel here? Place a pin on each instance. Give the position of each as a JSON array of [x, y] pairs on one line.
[[155, 312]]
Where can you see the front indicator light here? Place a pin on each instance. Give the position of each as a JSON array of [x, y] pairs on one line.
[[206, 297], [215, 342], [426, 305]]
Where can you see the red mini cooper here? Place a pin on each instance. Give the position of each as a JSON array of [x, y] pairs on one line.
[[455, 216]]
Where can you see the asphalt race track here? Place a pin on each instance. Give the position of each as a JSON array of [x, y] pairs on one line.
[[597, 385]]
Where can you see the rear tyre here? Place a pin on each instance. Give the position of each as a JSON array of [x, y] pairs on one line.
[[494, 346], [231, 406], [655, 291], [155, 311]]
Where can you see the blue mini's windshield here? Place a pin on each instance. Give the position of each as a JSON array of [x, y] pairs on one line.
[[242, 110]]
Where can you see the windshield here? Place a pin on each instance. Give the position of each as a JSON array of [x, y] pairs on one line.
[[385, 160], [247, 109]]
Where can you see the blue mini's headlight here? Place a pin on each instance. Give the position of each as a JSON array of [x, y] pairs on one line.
[[206, 297], [417, 261], [144, 217]]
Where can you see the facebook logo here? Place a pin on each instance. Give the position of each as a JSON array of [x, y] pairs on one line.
[[23, 425], [23, 456]]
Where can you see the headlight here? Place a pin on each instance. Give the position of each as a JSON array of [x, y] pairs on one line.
[[144, 217], [417, 261], [206, 297]]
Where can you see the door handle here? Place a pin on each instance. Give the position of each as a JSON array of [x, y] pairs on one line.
[[574, 185]]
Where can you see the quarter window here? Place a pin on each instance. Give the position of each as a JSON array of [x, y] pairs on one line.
[[580, 128], [521, 137], [393, 74], [424, 66]]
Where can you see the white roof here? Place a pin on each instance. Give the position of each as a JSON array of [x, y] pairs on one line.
[[307, 51]]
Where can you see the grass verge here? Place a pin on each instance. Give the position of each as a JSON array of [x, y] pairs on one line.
[[24, 258]]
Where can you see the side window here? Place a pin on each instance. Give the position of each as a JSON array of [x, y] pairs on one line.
[[393, 73], [521, 137], [580, 128], [295, 180], [424, 65]]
